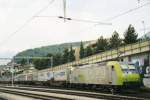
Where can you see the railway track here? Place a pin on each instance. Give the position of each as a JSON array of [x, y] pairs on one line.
[[75, 93], [32, 95]]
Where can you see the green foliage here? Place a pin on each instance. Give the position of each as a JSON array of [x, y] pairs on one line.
[[61, 54], [71, 54], [115, 40], [40, 63], [82, 51], [89, 51], [66, 56], [101, 44], [53, 49], [130, 35], [57, 59], [44, 51], [23, 61]]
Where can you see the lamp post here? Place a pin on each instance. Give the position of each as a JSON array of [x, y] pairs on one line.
[[143, 26], [12, 71], [51, 58]]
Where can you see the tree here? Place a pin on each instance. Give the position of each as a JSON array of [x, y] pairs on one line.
[[115, 40], [45, 63], [130, 35], [57, 59], [66, 56], [40, 64], [23, 62], [71, 54], [82, 51], [89, 51], [50, 55], [101, 44]]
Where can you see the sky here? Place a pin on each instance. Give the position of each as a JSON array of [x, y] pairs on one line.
[[42, 31]]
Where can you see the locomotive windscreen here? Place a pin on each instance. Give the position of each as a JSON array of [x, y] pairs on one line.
[[128, 68]]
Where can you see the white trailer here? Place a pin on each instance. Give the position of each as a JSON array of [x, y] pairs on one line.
[[90, 74], [61, 75]]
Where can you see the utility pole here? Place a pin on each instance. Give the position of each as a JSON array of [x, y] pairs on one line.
[[139, 2], [143, 26], [64, 9], [52, 65], [28, 62], [12, 79]]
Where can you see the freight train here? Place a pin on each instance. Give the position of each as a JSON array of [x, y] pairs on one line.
[[110, 74]]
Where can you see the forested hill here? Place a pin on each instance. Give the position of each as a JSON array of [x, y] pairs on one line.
[[43, 51]]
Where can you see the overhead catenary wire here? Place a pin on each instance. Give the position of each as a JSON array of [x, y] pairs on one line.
[[126, 12], [44, 8], [26, 23], [15, 32], [111, 18], [147, 28], [108, 19], [91, 21], [79, 20], [46, 16], [121, 14]]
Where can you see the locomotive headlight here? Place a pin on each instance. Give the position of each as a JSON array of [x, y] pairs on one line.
[[125, 73], [72, 68], [130, 72]]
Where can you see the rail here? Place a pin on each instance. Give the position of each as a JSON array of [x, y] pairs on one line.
[[75, 93]]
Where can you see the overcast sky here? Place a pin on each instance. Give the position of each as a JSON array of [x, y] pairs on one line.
[[43, 31]]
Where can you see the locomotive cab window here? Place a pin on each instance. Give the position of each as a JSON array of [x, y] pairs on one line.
[[132, 69], [128, 68], [124, 67]]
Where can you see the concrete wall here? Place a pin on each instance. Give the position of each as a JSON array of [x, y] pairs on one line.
[[146, 82], [140, 58], [77, 54], [137, 58], [143, 60], [149, 58]]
